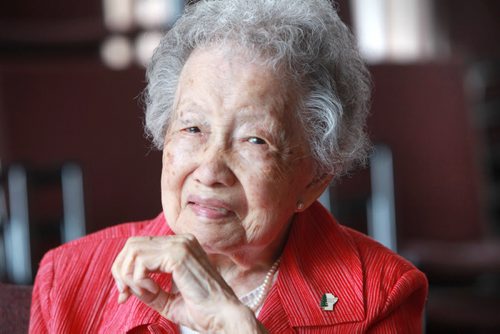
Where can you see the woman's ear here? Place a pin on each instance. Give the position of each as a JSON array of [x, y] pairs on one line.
[[312, 191]]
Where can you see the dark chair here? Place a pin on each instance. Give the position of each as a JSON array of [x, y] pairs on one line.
[[15, 301], [39, 210]]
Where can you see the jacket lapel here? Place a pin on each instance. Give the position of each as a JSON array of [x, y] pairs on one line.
[[319, 258]]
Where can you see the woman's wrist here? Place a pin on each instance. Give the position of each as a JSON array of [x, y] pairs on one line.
[[238, 318]]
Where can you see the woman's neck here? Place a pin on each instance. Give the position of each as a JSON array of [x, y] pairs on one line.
[[246, 269]]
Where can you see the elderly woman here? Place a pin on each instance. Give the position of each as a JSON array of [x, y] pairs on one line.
[[257, 106]]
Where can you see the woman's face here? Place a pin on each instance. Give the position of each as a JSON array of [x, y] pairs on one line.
[[235, 162]]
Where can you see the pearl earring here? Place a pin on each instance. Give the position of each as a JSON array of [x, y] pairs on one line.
[[300, 206]]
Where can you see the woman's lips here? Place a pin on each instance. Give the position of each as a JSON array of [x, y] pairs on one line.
[[209, 207]]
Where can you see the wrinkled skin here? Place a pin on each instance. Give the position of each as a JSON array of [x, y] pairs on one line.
[[235, 167]]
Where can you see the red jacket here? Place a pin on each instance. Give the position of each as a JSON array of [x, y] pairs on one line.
[[377, 290]]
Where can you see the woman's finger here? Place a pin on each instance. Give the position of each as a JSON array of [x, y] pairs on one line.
[[123, 296], [161, 301], [202, 290], [122, 287]]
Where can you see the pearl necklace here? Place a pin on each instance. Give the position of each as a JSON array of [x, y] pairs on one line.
[[264, 288]]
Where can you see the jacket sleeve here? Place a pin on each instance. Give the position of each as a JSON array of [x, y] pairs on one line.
[[404, 307], [41, 305]]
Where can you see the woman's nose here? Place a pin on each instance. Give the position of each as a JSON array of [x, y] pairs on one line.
[[213, 169]]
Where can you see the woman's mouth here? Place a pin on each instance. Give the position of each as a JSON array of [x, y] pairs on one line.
[[209, 208]]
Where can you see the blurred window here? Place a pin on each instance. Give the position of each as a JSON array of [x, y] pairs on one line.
[[396, 30], [136, 27]]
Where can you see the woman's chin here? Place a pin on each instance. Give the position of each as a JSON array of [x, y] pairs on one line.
[[218, 243], [214, 235]]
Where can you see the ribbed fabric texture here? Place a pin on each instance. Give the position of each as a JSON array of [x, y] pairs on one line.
[[378, 291]]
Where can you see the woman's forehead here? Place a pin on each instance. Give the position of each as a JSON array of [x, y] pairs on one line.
[[212, 79]]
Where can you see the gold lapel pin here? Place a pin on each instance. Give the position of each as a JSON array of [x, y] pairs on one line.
[[328, 301]]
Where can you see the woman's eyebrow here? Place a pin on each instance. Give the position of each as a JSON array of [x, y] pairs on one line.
[[261, 124]]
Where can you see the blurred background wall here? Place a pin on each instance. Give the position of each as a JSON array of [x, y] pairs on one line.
[[71, 75]]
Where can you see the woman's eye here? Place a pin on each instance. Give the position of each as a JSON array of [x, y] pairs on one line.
[[192, 129], [256, 140]]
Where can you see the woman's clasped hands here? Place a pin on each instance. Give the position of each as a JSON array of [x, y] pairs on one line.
[[200, 298]]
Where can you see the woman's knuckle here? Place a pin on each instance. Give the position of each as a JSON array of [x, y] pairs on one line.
[[183, 251], [188, 242]]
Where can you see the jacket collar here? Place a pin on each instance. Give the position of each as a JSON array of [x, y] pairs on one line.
[[320, 257]]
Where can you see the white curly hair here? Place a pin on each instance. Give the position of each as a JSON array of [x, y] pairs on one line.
[[306, 39]]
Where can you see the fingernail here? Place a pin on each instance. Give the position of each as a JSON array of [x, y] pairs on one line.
[[149, 285], [122, 298], [136, 291], [120, 287]]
